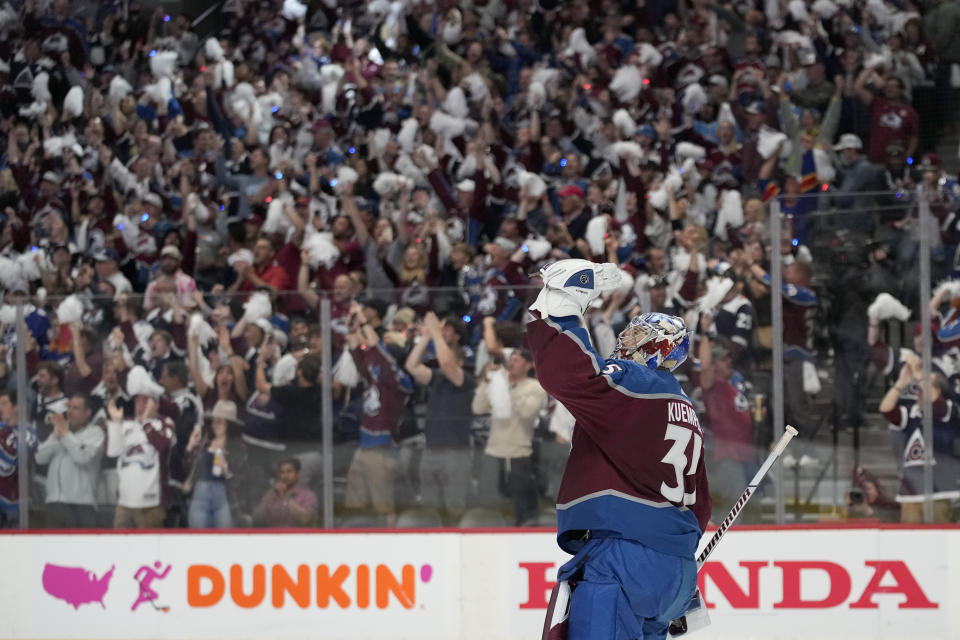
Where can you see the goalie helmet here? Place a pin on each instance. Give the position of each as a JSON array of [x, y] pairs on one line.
[[657, 340]]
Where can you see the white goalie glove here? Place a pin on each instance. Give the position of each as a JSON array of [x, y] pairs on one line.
[[569, 286]]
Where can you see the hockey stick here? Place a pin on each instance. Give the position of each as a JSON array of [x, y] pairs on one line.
[[696, 616], [785, 439]]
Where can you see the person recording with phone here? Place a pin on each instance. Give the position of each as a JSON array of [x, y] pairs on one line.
[[73, 453]]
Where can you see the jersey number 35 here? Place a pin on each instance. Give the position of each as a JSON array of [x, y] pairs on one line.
[[677, 457]]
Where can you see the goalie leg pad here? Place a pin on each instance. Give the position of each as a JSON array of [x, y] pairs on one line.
[[600, 611]]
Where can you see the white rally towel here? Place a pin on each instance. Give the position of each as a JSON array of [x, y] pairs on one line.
[[624, 123], [322, 249], [767, 141], [717, 289], [811, 378], [70, 310], [201, 329], [258, 307], [498, 392], [139, 382], [885, 307], [627, 83], [285, 371], [345, 370]]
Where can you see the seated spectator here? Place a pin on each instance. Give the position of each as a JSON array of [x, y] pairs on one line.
[[288, 503], [72, 454], [867, 499]]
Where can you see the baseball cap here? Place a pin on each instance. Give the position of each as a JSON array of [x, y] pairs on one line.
[[154, 199], [718, 80], [467, 185], [106, 254], [930, 162], [571, 190], [171, 251], [51, 176], [505, 243], [646, 130], [754, 108], [719, 352], [848, 141]]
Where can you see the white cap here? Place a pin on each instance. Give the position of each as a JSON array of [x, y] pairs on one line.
[[718, 79], [506, 244], [154, 199], [848, 141]]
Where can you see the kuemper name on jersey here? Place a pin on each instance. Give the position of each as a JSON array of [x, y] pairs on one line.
[[682, 412]]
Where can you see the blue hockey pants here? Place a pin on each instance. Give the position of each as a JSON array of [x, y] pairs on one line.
[[626, 591]]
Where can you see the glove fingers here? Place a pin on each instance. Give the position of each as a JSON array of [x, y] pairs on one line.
[[607, 276]]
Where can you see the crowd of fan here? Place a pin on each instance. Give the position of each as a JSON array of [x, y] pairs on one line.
[[175, 209]]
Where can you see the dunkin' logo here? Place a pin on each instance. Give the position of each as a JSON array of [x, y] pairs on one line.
[[323, 586]]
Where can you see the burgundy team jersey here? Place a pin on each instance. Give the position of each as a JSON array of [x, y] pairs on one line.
[[385, 395], [636, 468]]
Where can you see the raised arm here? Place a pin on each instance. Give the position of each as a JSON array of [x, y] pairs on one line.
[[414, 364], [79, 357], [449, 366], [193, 362], [890, 400], [860, 86], [309, 296], [350, 207]]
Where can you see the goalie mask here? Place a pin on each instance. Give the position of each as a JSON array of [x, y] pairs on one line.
[[657, 340]]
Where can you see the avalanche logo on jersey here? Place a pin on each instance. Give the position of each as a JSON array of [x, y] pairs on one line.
[[8, 455], [913, 454], [137, 454], [892, 120], [371, 401]]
